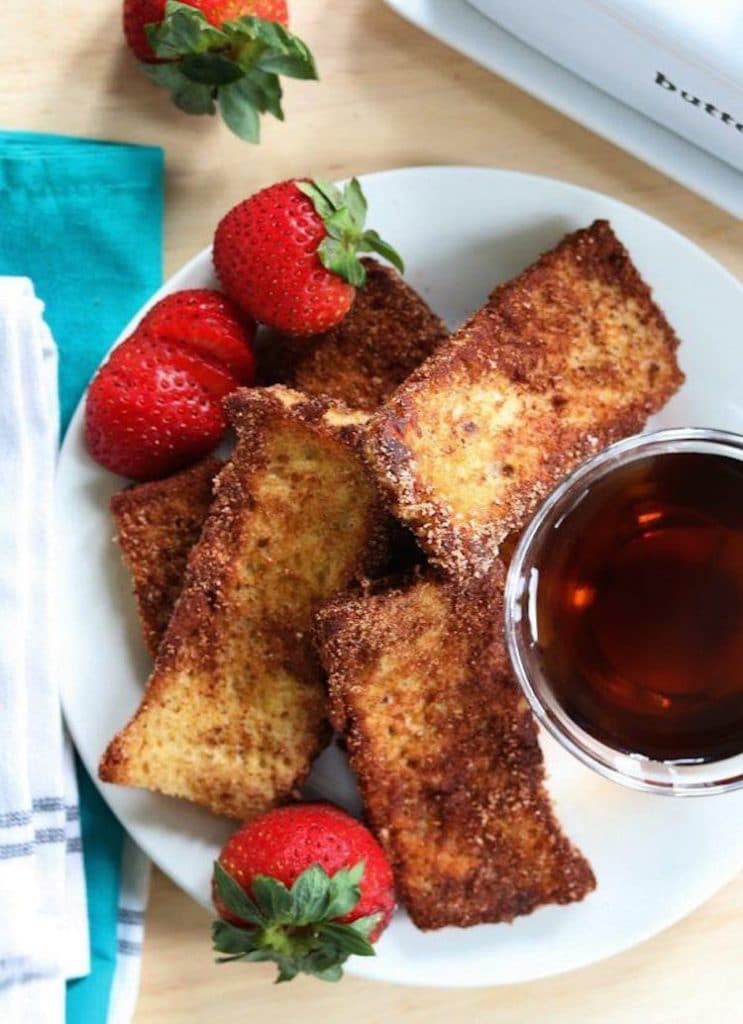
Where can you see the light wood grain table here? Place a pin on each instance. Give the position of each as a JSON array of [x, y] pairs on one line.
[[389, 97]]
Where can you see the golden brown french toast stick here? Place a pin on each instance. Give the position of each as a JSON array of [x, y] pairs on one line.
[[446, 752], [157, 524], [389, 330], [569, 356], [235, 709]]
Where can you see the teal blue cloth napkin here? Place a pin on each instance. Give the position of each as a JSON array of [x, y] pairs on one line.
[[83, 220]]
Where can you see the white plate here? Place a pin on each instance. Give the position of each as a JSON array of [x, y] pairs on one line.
[[461, 230], [458, 24]]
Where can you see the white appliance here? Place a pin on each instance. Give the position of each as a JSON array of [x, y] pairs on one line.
[[680, 62], [466, 28]]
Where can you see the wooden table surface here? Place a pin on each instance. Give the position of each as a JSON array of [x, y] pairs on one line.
[[389, 97]]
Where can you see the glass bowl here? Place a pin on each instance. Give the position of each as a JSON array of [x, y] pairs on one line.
[[638, 771]]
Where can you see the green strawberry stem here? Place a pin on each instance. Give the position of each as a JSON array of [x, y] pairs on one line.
[[295, 928], [344, 215], [235, 67]]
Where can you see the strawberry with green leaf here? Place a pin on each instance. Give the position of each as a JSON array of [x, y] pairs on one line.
[[289, 255], [225, 54], [304, 886]]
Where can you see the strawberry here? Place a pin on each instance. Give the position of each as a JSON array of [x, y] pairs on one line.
[[304, 886], [206, 322], [225, 53], [288, 255], [138, 14], [154, 407]]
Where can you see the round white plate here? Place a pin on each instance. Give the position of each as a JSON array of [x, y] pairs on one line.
[[461, 230]]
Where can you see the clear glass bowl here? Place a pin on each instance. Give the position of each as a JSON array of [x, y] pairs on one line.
[[634, 770]]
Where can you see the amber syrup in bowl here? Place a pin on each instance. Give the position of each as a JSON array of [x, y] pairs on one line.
[[624, 612]]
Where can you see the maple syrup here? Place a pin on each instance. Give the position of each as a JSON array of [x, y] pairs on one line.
[[637, 611]]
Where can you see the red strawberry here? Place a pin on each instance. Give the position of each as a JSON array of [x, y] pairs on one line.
[[207, 322], [229, 52], [305, 886], [154, 408], [140, 13], [136, 15], [289, 254]]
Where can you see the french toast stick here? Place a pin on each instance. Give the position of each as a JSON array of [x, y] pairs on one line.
[[389, 330], [570, 355], [157, 524], [446, 754], [235, 709]]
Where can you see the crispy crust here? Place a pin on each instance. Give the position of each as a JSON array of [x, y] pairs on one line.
[[157, 524], [564, 359], [235, 709], [446, 752], [388, 332]]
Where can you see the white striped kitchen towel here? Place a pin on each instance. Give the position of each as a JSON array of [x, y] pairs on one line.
[[43, 914], [43, 923]]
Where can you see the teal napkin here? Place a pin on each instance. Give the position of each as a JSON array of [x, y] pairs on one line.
[[83, 220]]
